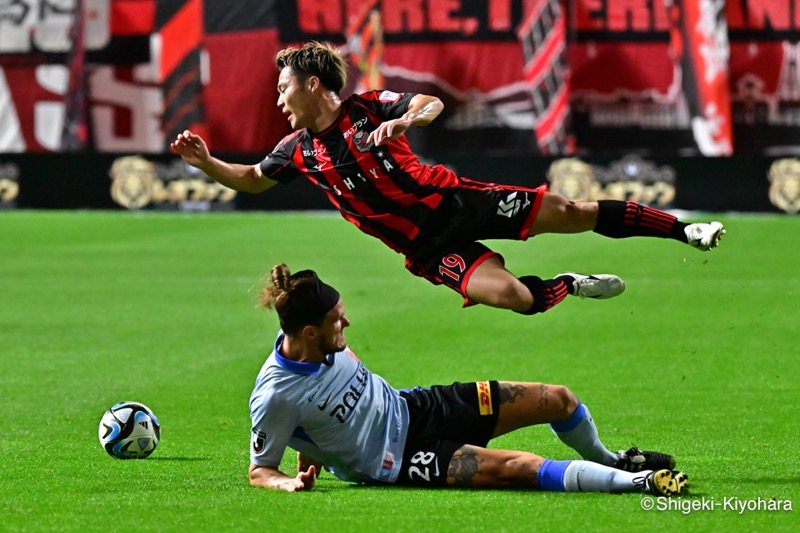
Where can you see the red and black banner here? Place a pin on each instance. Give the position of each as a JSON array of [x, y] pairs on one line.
[[75, 132], [543, 35], [516, 76], [52, 86], [700, 45], [38, 31], [427, 21], [765, 75], [626, 87], [179, 24], [364, 36]]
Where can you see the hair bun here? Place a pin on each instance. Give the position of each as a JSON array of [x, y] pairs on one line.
[[280, 277]]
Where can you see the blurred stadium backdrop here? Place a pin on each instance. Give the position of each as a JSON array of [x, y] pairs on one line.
[[638, 94]]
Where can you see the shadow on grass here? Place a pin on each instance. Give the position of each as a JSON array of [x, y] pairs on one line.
[[396, 488]]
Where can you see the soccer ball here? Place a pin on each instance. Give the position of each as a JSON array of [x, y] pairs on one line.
[[129, 430]]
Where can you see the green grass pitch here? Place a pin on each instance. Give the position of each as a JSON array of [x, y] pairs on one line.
[[698, 358]]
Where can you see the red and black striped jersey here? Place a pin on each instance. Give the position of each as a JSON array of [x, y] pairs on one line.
[[384, 190]]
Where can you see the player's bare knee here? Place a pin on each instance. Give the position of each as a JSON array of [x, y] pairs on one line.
[[563, 400], [513, 295]]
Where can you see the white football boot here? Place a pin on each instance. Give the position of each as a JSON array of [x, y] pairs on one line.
[[598, 286], [705, 236]]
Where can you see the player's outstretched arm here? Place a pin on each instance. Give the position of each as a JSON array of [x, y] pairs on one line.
[[272, 478], [246, 178], [422, 110]]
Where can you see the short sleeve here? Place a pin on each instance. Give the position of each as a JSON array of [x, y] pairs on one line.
[[270, 433], [278, 164], [386, 104]]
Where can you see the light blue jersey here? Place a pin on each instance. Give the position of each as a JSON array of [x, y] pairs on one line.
[[337, 412]]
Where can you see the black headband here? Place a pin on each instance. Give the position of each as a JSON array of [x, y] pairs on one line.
[[320, 299]]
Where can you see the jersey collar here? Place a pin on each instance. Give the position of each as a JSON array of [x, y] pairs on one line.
[[298, 367]]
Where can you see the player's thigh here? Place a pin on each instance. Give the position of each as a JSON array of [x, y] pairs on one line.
[[454, 265], [558, 214], [494, 211], [465, 413], [527, 404], [473, 466], [491, 284]]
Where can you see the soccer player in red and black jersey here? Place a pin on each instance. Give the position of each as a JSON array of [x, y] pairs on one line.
[[355, 150]]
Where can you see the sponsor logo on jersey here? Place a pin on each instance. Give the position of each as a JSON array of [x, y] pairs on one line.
[[259, 439], [355, 127], [313, 395], [349, 400], [387, 465], [388, 96], [512, 204], [484, 397], [315, 152]]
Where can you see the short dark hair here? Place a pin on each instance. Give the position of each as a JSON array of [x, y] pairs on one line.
[[318, 59]]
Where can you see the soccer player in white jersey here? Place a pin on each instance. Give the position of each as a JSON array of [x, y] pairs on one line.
[[314, 395]]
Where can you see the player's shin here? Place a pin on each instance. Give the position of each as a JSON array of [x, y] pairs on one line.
[[546, 293], [585, 476], [579, 432], [618, 219]]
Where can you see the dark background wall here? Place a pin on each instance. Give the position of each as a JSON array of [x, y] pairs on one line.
[[738, 183]]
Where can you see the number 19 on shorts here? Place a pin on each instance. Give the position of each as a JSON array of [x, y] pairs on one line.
[[453, 266]]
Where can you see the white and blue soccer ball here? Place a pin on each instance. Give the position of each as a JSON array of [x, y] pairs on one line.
[[129, 430]]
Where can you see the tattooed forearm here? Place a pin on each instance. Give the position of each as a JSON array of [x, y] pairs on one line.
[[543, 399], [509, 393], [463, 468]]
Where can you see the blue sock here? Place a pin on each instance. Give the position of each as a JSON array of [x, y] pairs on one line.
[[580, 433], [551, 475]]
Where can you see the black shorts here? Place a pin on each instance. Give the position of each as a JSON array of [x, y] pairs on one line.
[[442, 419], [447, 251]]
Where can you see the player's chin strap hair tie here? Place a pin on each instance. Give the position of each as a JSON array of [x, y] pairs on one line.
[[318, 298]]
